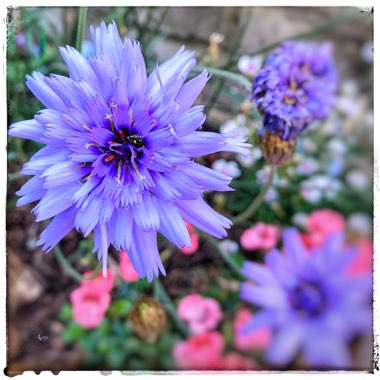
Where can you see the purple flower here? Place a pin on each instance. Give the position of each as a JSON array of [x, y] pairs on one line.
[[296, 86], [119, 154], [309, 301]]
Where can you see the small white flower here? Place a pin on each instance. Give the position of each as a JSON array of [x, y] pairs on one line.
[[262, 175], [229, 246], [248, 161], [250, 65], [332, 126], [350, 88], [271, 195], [336, 147], [229, 168], [334, 188], [235, 128], [360, 223], [310, 194], [335, 167], [348, 106], [357, 180], [308, 145], [300, 219], [322, 182], [307, 166]]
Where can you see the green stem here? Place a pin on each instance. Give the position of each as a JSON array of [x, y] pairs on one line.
[[163, 297], [258, 200], [66, 265], [155, 30], [81, 25], [225, 256], [239, 79]]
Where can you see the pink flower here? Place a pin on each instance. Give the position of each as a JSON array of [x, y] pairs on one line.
[[194, 238], [322, 223], [104, 283], [127, 271], [199, 352], [202, 314], [90, 302], [363, 261], [260, 236], [258, 339], [236, 362]]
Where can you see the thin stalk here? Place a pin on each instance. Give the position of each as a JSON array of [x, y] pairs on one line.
[[155, 30], [65, 264], [81, 25], [225, 256], [163, 297], [150, 12], [258, 200], [237, 78]]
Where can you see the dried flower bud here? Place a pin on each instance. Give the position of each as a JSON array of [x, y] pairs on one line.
[[148, 318], [276, 151]]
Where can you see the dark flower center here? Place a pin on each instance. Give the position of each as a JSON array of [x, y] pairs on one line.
[[308, 299], [124, 146]]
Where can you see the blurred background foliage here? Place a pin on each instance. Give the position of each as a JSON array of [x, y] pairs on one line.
[[39, 287]]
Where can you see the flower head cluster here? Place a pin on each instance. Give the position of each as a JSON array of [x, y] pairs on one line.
[[296, 86], [91, 300], [205, 352], [202, 314], [258, 339], [260, 236], [310, 301], [119, 154]]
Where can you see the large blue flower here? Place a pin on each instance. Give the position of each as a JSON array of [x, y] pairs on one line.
[[309, 301], [119, 152], [296, 86]]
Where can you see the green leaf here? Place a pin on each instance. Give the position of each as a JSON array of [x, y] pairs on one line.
[[115, 359], [72, 333], [65, 314], [120, 308]]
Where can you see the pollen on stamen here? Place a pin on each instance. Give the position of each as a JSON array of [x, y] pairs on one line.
[[117, 178], [88, 177], [122, 135], [131, 121], [289, 100], [109, 158], [113, 105], [137, 170], [90, 144], [108, 116]]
